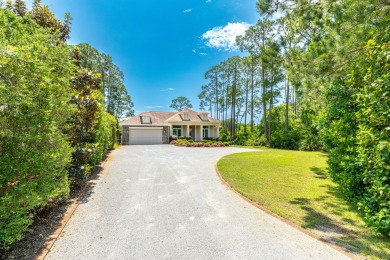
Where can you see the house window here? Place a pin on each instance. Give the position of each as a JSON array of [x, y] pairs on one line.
[[186, 116], [146, 119], [176, 130], [205, 132], [204, 117]]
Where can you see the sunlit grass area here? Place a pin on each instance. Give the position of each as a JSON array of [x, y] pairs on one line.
[[296, 186]]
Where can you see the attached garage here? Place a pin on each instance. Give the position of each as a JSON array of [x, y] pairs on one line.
[[145, 135]]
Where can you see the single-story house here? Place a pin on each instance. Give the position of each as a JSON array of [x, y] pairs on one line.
[[157, 127]]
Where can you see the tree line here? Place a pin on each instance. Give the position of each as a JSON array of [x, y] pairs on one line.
[[59, 106], [315, 77]]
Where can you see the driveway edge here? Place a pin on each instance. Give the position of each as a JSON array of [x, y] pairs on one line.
[[288, 222], [50, 240]]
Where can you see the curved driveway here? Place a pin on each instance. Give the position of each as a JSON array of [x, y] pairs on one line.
[[167, 202]]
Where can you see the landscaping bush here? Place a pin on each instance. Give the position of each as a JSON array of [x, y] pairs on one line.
[[172, 138], [34, 110], [191, 143], [285, 139], [105, 136], [239, 139], [357, 135]]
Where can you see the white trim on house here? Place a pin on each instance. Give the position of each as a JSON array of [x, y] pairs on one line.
[[146, 128]]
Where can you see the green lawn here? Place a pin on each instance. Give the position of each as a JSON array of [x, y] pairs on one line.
[[296, 186]]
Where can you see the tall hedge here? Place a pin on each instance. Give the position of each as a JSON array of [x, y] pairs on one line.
[[357, 134], [92, 129], [34, 109], [53, 128]]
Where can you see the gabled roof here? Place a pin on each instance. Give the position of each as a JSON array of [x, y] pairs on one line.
[[193, 117], [167, 118], [157, 118]]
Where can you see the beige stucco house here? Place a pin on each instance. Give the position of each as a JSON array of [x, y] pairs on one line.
[[157, 127]]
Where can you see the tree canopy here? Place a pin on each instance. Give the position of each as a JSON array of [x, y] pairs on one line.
[[180, 103], [315, 77], [53, 124]]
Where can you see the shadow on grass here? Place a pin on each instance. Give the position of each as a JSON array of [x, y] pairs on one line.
[[320, 172], [342, 232]]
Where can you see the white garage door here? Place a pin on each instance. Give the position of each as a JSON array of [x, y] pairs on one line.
[[150, 135]]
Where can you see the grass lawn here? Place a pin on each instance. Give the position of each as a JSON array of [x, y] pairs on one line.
[[296, 186]]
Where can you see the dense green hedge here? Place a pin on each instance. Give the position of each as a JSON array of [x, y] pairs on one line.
[[357, 135], [40, 107], [34, 95]]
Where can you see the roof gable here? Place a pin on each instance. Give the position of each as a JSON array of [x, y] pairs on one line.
[[167, 118]]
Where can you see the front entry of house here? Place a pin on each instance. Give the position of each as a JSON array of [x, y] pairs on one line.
[[145, 135]]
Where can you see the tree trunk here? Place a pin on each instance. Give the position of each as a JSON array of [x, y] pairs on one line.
[[216, 94], [264, 102], [287, 102], [252, 101], [246, 104], [270, 112]]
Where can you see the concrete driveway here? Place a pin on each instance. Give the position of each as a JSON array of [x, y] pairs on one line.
[[167, 202]]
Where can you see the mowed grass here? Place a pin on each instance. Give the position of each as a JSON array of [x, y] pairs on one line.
[[296, 186]]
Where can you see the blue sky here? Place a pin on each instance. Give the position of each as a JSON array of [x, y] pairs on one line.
[[163, 47]]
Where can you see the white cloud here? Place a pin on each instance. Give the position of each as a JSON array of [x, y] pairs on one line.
[[224, 38], [154, 107], [167, 89], [200, 53], [187, 10]]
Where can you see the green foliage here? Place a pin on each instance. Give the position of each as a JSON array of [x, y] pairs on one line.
[[34, 109], [357, 135], [117, 100], [373, 135], [106, 136], [296, 186], [180, 103], [52, 119], [93, 130], [286, 139]]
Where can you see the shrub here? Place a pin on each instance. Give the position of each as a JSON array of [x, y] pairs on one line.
[[34, 110], [310, 142], [285, 139], [105, 136], [356, 134], [172, 138]]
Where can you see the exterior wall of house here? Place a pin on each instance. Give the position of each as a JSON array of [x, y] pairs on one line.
[[165, 134], [125, 134], [198, 133]]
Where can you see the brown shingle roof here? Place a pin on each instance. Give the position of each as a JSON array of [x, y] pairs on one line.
[[164, 118], [193, 115], [157, 118]]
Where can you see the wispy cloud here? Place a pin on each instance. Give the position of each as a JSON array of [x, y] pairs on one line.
[[167, 89], [154, 107], [200, 53], [187, 10], [224, 38], [208, 1]]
